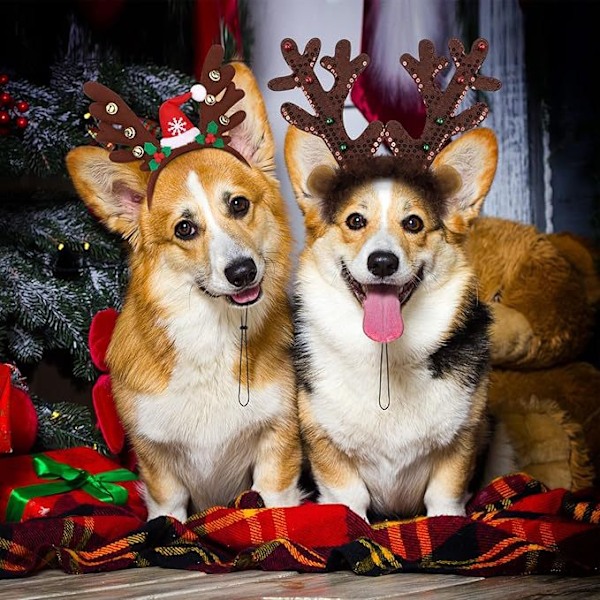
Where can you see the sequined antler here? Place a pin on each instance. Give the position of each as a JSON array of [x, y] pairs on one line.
[[328, 105], [441, 122]]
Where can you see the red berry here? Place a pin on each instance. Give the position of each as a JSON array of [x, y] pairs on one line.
[[4, 117], [5, 98], [22, 106], [21, 122], [3, 78]]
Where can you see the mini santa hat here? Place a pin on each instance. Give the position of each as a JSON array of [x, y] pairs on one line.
[[177, 129]]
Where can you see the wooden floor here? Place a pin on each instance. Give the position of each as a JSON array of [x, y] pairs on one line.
[[156, 583]]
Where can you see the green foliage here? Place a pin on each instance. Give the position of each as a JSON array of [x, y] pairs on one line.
[[47, 302], [66, 425], [49, 296], [56, 114]]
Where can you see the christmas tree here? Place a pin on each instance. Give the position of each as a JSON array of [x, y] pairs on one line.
[[58, 265]]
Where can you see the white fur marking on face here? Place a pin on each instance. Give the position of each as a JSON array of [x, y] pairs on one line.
[[223, 248], [382, 240], [383, 192], [199, 194]]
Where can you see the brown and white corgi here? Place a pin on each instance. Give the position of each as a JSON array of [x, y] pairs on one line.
[[210, 251], [391, 340]]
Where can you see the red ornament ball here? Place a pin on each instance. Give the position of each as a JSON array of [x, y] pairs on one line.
[[22, 106], [5, 98], [3, 78], [21, 122], [4, 117]]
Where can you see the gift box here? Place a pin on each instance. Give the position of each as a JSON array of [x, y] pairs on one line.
[[57, 482]]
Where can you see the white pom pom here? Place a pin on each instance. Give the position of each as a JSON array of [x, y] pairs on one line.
[[198, 92]]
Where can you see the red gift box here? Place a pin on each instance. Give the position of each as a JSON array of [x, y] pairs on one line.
[[58, 481]]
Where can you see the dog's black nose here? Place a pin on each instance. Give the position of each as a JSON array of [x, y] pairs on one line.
[[241, 272], [382, 264]]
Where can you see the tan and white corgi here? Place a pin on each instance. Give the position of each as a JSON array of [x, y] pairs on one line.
[[391, 340], [209, 411]]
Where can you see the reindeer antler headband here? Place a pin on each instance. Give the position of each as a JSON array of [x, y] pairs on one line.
[[120, 127], [441, 120]]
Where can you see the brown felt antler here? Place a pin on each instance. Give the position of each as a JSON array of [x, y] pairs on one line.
[[441, 122], [221, 94], [118, 125], [328, 105], [120, 129]]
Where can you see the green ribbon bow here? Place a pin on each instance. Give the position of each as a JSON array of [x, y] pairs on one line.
[[101, 486]]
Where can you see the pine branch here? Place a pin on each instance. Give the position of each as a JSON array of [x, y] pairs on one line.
[[66, 425]]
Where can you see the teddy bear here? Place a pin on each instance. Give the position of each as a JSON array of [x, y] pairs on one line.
[[543, 290]]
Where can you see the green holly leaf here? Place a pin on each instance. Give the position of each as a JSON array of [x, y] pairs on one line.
[[150, 148], [212, 127], [153, 165], [200, 138], [167, 150], [219, 143]]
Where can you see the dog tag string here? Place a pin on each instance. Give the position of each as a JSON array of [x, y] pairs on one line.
[[384, 349], [244, 349]]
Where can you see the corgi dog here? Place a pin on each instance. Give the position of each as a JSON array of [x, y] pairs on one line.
[[200, 359], [391, 340]]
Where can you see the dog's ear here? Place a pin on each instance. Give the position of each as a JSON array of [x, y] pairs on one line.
[[310, 166], [253, 138], [473, 157], [114, 192]]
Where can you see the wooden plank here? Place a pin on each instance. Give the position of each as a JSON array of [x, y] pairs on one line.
[[157, 584], [124, 584], [345, 585], [524, 587]]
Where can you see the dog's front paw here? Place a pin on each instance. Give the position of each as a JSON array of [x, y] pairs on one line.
[[355, 497], [157, 511], [446, 507], [291, 496]]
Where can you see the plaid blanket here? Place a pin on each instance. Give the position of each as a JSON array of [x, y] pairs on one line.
[[514, 526]]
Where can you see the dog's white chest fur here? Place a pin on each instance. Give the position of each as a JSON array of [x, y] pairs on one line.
[[212, 436]]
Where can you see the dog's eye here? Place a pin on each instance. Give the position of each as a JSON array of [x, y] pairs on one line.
[[413, 224], [186, 230], [497, 296], [239, 206], [356, 221]]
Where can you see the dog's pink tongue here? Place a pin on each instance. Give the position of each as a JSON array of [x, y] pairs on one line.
[[382, 320], [246, 296]]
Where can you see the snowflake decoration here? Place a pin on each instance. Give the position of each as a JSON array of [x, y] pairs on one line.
[[177, 126]]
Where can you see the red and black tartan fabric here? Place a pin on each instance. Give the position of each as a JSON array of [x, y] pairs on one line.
[[514, 526]]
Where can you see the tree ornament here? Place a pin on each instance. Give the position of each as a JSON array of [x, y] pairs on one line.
[[11, 117]]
